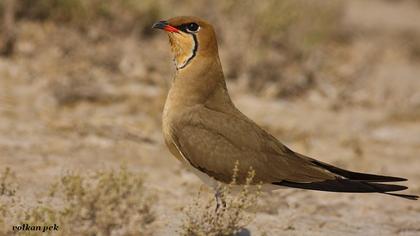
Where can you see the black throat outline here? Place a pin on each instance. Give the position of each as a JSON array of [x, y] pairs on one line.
[[193, 54]]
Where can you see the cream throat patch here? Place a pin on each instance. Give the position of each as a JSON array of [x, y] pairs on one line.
[[184, 48]]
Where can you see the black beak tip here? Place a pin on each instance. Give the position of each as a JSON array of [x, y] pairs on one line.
[[160, 25]]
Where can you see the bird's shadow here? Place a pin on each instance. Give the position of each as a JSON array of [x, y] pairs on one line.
[[243, 232]]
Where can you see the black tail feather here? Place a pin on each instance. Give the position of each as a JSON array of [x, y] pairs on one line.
[[406, 196], [350, 186], [356, 175], [345, 185]]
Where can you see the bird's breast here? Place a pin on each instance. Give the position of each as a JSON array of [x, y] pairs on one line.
[[169, 117]]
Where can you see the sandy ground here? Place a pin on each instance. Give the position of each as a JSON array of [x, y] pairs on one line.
[[372, 125]]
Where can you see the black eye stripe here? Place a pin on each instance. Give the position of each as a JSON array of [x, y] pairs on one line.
[[189, 27]]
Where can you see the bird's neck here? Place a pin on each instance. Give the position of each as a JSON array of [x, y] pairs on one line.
[[201, 82]]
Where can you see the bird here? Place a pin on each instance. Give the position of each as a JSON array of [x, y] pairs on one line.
[[204, 130]]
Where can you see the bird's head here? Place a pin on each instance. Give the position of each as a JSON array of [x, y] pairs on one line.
[[190, 38]]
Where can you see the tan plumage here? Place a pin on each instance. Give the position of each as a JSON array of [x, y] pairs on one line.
[[204, 129]]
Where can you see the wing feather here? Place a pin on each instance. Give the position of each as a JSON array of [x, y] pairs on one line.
[[215, 145]]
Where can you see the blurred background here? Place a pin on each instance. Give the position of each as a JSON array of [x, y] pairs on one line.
[[83, 83]]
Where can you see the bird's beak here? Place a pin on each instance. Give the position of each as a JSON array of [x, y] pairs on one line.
[[165, 26]]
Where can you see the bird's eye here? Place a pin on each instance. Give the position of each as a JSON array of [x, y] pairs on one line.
[[193, 27]]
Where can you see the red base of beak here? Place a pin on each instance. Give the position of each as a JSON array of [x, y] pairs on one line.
[[164, 25], [170, 28]]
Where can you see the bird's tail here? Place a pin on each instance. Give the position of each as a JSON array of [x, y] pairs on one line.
[[350, 186], [351, 182]]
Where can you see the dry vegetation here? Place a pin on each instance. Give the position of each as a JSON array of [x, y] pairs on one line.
[[202, 218], [83, 91], [7, 185], [103, 203]]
